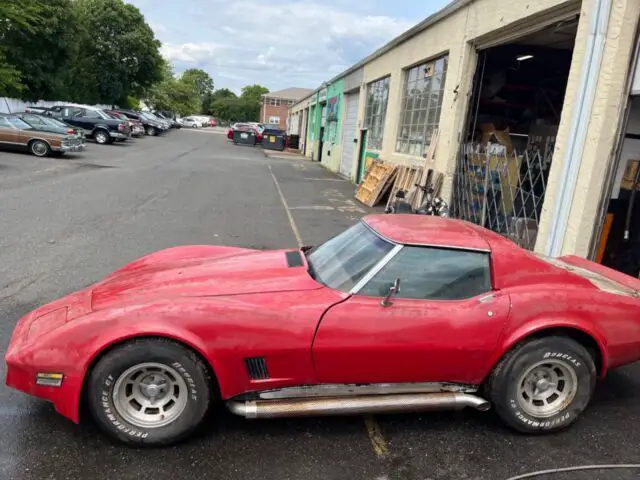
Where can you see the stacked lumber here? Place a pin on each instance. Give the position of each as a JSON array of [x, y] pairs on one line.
[[376, 182], [405, 176], [409, 175]]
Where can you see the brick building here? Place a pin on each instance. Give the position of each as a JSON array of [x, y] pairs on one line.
[[274, 106]]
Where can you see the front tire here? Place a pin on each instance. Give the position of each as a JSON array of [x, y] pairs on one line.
[[102, 137], [543, 385], [151, 131], [149, 392], [40, 148]]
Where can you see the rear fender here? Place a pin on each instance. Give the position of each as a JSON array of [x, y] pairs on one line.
[[511, 337]]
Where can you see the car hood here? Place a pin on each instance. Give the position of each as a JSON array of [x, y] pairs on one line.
[[201, 272]]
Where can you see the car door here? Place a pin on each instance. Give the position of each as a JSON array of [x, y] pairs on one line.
[[9, 137], [74, 116], [441, 326]]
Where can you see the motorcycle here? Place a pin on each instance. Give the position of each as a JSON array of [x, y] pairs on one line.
[[431, 205]]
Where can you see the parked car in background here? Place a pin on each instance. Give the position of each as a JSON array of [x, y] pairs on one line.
[[166, 124], [173, 123], [137, 129], [151, 126], [95, 122], [49, 124], [16, 134], [212, 122], [191, 122]]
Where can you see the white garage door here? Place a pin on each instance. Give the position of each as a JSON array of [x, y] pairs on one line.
[[348, 134]]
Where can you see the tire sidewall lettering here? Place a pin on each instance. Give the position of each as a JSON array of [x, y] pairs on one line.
[[570, 412]]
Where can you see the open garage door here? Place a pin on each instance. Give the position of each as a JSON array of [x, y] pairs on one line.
[[349, 134]]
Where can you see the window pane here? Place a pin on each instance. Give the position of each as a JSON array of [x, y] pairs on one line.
[[375, 111], [433, 273], [421, 104]]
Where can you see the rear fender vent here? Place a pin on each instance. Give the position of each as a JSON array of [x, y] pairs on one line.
[[256, 368]]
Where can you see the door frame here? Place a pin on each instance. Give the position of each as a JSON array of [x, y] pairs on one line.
[[362, 151]]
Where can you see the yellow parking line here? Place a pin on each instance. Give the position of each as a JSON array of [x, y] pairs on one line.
[[375, 435]]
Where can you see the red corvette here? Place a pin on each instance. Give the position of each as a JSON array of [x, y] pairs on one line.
[[397, 313]]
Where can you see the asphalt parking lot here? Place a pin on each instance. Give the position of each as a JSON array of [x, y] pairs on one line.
[[66, 222]]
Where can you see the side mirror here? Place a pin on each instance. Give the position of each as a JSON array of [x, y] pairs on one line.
[[393, 289]]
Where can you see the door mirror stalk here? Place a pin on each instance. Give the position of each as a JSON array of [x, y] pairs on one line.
[[393, 290]]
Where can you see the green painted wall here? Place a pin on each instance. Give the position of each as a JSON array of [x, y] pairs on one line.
[[332, 149]]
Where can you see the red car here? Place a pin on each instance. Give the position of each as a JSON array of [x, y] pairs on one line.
[[397, 313], [212, 122]]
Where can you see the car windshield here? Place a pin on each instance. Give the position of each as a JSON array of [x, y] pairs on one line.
[[146, 116], [18, 122], [102, 114], [341, 262]]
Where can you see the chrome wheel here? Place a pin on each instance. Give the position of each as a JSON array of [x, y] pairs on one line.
[[150, 395], [547, 388], [101, 137], [39, 148]]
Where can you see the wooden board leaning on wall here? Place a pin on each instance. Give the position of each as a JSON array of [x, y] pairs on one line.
[[381, 176]]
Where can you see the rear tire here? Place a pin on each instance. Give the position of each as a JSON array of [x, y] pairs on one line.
[[542, 385], [39, 148], [149, 392]]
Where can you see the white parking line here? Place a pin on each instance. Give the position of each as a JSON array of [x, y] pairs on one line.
[[292, 222]]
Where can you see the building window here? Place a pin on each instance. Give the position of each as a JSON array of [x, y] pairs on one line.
[[274, 120], [274, 102], [376, 111], [422, 95], [291, 102]]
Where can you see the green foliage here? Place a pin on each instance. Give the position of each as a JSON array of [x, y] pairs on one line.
[[120, 50], [174, 94], [103, 51], [200, 79], [42, 54], [253, 92], [15, 16]]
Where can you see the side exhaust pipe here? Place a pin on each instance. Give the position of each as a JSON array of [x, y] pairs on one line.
[[302, 407]]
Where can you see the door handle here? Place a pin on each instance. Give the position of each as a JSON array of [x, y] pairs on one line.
[[487, 298]]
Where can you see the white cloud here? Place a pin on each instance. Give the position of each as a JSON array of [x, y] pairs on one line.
[[279, 43]]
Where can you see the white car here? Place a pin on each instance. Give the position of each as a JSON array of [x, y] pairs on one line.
[[191, 122]]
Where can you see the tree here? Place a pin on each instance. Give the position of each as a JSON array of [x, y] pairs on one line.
[[172, 94], [43, 53], [210, 99], [200, 79], [253, 92], [120, 54], [15, 16]]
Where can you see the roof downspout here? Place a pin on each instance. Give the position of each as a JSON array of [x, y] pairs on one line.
[[579, 124]]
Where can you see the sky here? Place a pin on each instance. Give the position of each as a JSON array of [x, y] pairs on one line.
[[277, 43]]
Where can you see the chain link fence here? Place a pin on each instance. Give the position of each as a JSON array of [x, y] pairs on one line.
[[501, 190]]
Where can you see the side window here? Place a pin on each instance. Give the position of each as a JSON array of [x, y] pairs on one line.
[[4, 123], [73, 112], [91, 114], [433, 273]]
